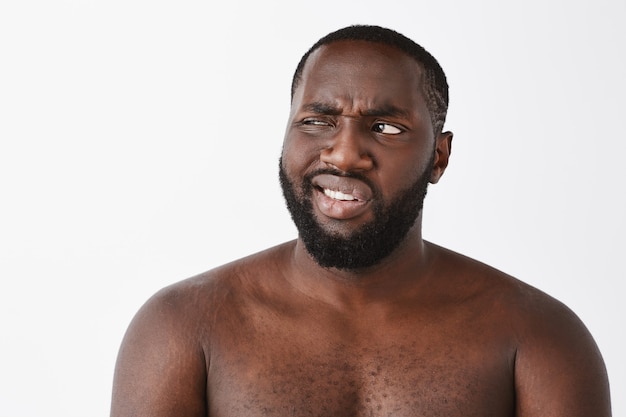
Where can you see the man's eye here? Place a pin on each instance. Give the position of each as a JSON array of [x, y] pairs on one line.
[[314, 122], [386, 129]]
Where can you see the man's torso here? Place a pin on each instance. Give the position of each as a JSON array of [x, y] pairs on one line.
[[279, 353]]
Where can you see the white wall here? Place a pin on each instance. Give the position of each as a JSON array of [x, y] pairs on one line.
[[139, 143]]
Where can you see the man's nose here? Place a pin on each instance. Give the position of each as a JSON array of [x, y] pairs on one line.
[[349, 149]]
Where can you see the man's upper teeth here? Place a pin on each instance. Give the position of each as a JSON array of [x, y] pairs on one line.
[[338, 195]]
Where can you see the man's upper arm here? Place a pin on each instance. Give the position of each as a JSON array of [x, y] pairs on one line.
[[559, 371], [161, 369]]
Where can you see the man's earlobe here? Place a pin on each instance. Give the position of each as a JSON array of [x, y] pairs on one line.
[[443, 149]]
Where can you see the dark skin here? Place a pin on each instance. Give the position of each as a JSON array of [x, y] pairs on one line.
[[426, 332]]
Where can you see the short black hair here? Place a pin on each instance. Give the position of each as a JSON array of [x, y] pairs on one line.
[[435, 85]]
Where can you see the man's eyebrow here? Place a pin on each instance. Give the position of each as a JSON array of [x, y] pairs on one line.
[[386, 111], [332, 110], [322, 108]]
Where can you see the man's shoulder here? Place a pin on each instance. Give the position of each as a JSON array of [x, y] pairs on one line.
[[209, 289], [555, 356], [167, 346], [519, 301]]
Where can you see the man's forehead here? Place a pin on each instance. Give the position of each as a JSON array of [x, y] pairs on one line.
[[375, 74], [359, 51]]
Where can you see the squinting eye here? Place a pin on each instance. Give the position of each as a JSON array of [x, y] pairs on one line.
[[314, 122], [386, 129]]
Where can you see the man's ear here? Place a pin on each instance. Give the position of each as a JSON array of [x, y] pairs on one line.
[[443, 149]]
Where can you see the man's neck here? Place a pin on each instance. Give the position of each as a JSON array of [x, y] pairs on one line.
[[401, 272]]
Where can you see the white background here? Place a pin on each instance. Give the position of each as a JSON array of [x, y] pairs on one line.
[[139, 146]]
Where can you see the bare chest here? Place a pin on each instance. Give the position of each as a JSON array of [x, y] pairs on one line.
[[414, 377]]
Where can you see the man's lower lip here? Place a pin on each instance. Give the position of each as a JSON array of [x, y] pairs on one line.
[[339, 209]]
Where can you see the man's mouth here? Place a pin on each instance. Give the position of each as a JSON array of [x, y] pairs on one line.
[[342, 188], [338, 195]]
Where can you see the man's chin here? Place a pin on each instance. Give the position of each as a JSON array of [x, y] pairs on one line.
[[340, 247], [340, 229]]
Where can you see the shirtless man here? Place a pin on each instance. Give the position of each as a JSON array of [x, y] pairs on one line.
[[359, 316]]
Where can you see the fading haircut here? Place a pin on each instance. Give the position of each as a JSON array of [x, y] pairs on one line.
[[434, 83]]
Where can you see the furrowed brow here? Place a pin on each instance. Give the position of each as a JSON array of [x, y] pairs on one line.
[[385, 111], [322, 108]]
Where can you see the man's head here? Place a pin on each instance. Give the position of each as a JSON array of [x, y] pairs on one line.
[[362, 144]]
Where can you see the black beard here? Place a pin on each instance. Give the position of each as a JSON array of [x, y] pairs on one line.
[[370, 244]]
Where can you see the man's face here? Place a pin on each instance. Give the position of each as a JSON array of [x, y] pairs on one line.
[[358, 153]]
